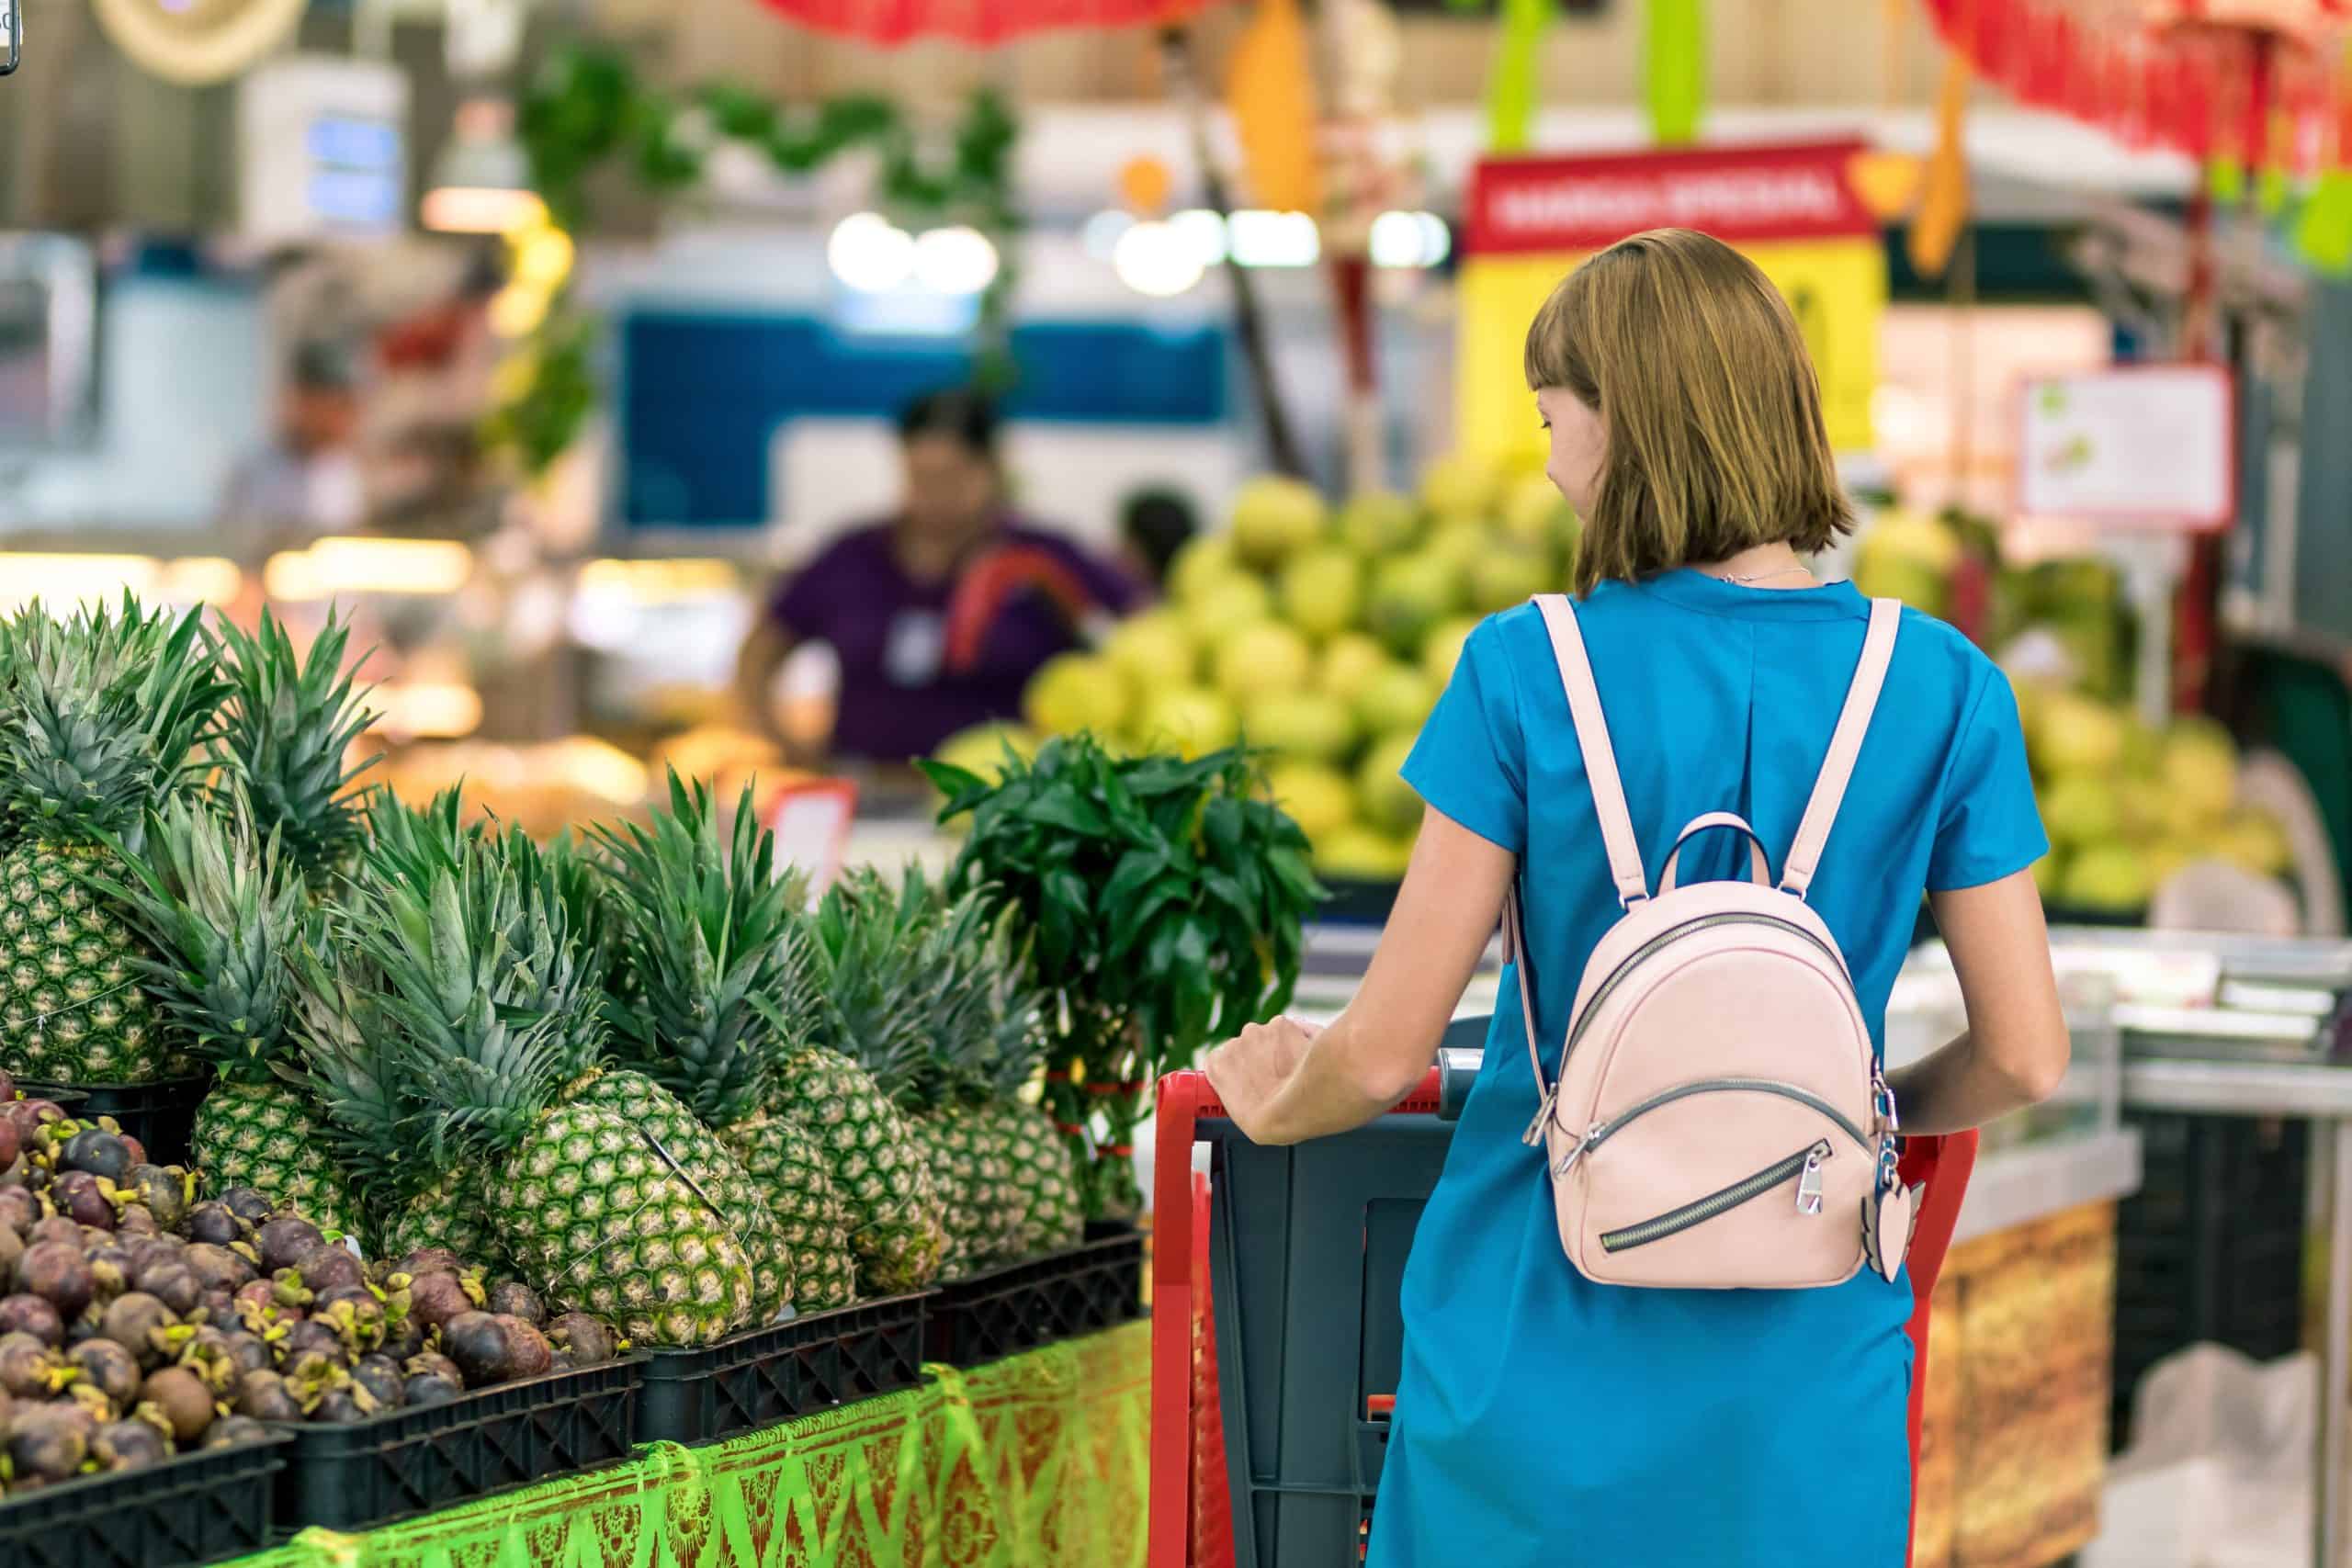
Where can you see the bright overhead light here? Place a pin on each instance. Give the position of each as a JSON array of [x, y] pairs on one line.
[[1154, 259], [1203, 232], [955, 261], [1396, 240], [345, 565], [481, 181], [1275, 239], [479, 209], [1437, 240], [870, 254]]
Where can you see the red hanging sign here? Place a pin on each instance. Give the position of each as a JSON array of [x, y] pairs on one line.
[[1764, 192]]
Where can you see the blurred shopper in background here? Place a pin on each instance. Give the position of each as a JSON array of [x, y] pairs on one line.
[[939, 614], [1155, 523], [308, 480]]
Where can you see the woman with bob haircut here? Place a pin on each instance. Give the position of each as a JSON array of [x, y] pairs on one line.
[[1542, 1418]]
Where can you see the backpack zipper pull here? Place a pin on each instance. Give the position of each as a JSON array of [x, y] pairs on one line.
[[1809, 1183], [1534, 1133]]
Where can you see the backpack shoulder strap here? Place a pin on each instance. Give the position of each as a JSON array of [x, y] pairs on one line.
[[1599, 757], [1845, 746]]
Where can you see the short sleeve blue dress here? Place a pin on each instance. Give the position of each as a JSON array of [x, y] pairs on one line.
[[1542, 1420]]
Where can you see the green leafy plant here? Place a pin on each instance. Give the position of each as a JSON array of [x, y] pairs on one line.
[[1161, 902]]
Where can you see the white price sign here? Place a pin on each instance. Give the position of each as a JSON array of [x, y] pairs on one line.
[[2141, 446]]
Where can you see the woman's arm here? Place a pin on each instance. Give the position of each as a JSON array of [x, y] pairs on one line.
[[2014, 1052], [1282, 1083], [765, 648]]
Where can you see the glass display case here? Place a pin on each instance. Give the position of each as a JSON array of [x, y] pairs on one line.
[[1925, 1011]]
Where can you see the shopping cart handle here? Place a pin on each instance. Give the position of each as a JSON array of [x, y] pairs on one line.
[[1457, 1069]]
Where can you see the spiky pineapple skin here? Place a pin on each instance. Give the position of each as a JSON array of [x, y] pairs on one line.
[[600, 1223], [712, 1167], [70, 1009], [1045, 1175], [811, 1218], [979, 1207], [453, 1213], [897, 1230], [262, 1136]]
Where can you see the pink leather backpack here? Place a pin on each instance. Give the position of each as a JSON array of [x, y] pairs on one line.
[[1718, 1121]]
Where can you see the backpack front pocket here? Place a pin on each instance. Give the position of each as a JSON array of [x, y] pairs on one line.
[[1804, 1167]]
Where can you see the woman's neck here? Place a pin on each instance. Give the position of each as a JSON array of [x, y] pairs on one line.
[[927, 558], [1774, 565]]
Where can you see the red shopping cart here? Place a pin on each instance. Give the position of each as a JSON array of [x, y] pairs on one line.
[[1276, 1337]]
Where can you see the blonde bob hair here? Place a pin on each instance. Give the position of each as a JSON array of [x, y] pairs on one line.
[[1715, 441]]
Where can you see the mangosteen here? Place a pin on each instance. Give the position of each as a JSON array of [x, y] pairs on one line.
[[186, 1403], [212, 1221], [108, 1367], [249, 1352], [162, 1191], [404, 1336], [284, 1239], [316, 1334], [55, 1271], [255, 1295], [585, 1339], [419, 1389], [32, 1315], [29, 1369], [264, 1396], [343, 1406], [429, 1260], [45, 1444], [12, 1143], [360, 1323], [173, 1283], [516, 1299], [86, 1198], [128, 1445], [12, 1247], [56, 1227], [435, 1300], [310, 1373], [227, 1432], [527, 1350], [136, 1321], [216, 1267], [131, 1146], [247, 1204], [18, 1209], [328, 1265], [380, 1376], [472, 1339], [136, 1219], [98, 1152], [7, 1085]]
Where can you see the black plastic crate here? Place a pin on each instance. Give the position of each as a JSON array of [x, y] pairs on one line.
[[766, 1375], [198, 1507], [414, 1461], [161, 1116], [1096, 1285]]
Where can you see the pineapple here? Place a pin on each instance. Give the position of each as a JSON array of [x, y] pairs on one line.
[[218, 907], [865, 1002], [1045, 1174], [705, 930], [102, 722], [811, 1218]]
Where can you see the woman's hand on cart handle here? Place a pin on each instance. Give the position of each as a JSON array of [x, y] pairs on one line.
[[1283, 1083]]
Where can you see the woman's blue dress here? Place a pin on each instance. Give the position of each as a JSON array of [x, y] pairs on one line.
[[1542, 1420]]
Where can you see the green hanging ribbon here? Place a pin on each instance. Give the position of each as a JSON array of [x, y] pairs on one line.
[[2324, 231], [1511, 82], [1674, 67]]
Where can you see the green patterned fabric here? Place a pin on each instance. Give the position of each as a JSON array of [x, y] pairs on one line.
[[1038, 1461]]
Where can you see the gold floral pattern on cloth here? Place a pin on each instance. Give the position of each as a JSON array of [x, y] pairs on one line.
[[1040, 1461]]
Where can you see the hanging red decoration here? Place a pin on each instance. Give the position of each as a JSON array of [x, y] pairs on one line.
[[980, 23]]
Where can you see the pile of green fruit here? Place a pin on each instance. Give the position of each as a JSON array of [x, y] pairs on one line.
[[1322, 637], [2126, 806], [632, 1072], [141, 1323]]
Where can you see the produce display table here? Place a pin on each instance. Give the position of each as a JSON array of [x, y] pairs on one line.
[[1034, 1460]]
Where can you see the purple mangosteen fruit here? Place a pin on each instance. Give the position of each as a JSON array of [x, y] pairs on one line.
[[136, 1321], [583, 1338], [217, 1269], [173, 1283], [55, 1228], [283, 1239], [263, 1394], [516, 1299], [97, 1151], [108, 1367], [57, 1272], [183, 1400], [380, 1376], [23, 1313], [45, 1444], [228, 1431], [247, 1204], [212, 1221], [329, 1265], [29, 1369], [129, 1445]]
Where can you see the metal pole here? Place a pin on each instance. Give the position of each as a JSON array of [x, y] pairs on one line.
[[2336, 1363]]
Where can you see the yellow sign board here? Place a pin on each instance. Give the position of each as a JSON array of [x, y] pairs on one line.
[[1829, 262]]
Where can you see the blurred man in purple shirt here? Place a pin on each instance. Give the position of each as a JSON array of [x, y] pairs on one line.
[[939, 616]]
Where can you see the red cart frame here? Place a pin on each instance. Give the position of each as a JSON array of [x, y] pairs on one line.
[[1191, 1524]]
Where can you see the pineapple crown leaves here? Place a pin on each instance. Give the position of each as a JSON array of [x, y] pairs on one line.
[[108, 711], [880, 980], [287, 732], [474, 1042], [219, 905], [350, 1063], [708, 936], [1161, 899], [405, 843]]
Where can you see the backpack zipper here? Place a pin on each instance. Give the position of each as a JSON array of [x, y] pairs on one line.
[[1551, 1096], [1804, 1165], [1805, 1097]]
